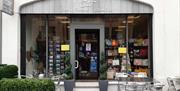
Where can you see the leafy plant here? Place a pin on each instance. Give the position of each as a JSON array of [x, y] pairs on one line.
[[36, 56], [26, 85], [68, 67], [9, 71], [103, 67]]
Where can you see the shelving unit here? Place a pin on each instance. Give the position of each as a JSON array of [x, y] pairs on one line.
[[111, 54], [139, 58], [56, 58]]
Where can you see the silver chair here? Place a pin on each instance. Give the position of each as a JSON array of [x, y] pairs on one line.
[[176, 82], [131, 86], [170, 84]]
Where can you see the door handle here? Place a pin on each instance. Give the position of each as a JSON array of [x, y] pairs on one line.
[[77, 64]]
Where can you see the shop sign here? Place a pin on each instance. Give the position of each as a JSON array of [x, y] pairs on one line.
[[65, 47], [7, 6], [122, 50]]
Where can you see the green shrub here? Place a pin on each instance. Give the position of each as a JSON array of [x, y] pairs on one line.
[[26, 85], [103, 67], [68, 67], [2, 65], [9, 71]]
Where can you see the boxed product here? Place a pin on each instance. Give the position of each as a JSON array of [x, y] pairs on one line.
[[110, 74]]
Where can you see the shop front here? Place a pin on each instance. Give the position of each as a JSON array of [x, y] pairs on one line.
[[51, 36]]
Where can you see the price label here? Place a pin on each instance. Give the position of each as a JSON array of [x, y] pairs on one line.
[[65, 47], [122, 50]]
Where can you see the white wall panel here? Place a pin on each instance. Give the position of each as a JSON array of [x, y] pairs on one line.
[[80, 6]]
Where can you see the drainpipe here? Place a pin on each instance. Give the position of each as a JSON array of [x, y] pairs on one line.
[[0, 37]]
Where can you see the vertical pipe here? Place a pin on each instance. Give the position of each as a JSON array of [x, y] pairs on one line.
[[46, 25], [23, 31], [0, 37]]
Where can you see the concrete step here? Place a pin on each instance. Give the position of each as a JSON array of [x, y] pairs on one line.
[[86, 85], [86, 89]]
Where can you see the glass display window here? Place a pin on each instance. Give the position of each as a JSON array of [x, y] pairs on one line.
[[127, 45], [130, 33]]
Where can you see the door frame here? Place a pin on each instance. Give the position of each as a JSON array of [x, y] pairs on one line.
[[91, 31], [85, 25]]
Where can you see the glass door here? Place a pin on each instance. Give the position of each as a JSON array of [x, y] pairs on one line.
[[87, 54]]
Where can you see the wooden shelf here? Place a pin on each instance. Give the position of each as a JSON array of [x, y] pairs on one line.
[[140, 46], [140, 57], [87, 41], [140, 65]]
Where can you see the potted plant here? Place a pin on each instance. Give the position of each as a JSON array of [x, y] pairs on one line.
[[68, 75], [103, 82]]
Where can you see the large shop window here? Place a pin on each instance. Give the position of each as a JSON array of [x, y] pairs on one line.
[[128, 46], [47, 44], [35, 28]]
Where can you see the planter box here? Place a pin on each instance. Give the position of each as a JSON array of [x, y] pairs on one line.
[[69, 85], [103, 85]]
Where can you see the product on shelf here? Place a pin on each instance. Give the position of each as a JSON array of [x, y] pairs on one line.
[[56, 57], [138, 57], [138, 52]]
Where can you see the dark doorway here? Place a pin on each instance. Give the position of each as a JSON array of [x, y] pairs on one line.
[[87, 54]]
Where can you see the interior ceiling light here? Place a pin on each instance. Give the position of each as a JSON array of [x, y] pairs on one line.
[[137, 16], [65, 22], [121, 26], [133, 17], [62, 17], [130, 21], [119, 30]]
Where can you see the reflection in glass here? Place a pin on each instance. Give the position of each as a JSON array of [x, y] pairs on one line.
[[35, 45]]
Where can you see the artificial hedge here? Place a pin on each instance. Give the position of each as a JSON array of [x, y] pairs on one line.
[[8, 71], [26, 85]]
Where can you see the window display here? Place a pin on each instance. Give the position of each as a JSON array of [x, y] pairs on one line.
[[35, 45], [45, 45], [58, 41], [127, 51], [56, 65]]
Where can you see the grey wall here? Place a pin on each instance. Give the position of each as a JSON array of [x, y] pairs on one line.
[[80, 6]]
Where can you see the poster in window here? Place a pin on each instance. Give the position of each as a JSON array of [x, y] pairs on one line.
[[65, 47], [115, 62], [88, 47], [122, 50]]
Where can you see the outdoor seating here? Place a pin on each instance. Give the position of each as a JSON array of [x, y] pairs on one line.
[[170, 84], [173, 83]]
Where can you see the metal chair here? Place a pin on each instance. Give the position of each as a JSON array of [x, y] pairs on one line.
[[141, 86], [131, 86], [170, 84], [176, 82]]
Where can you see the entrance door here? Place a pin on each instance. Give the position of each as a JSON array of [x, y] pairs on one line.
[[87, 54]]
